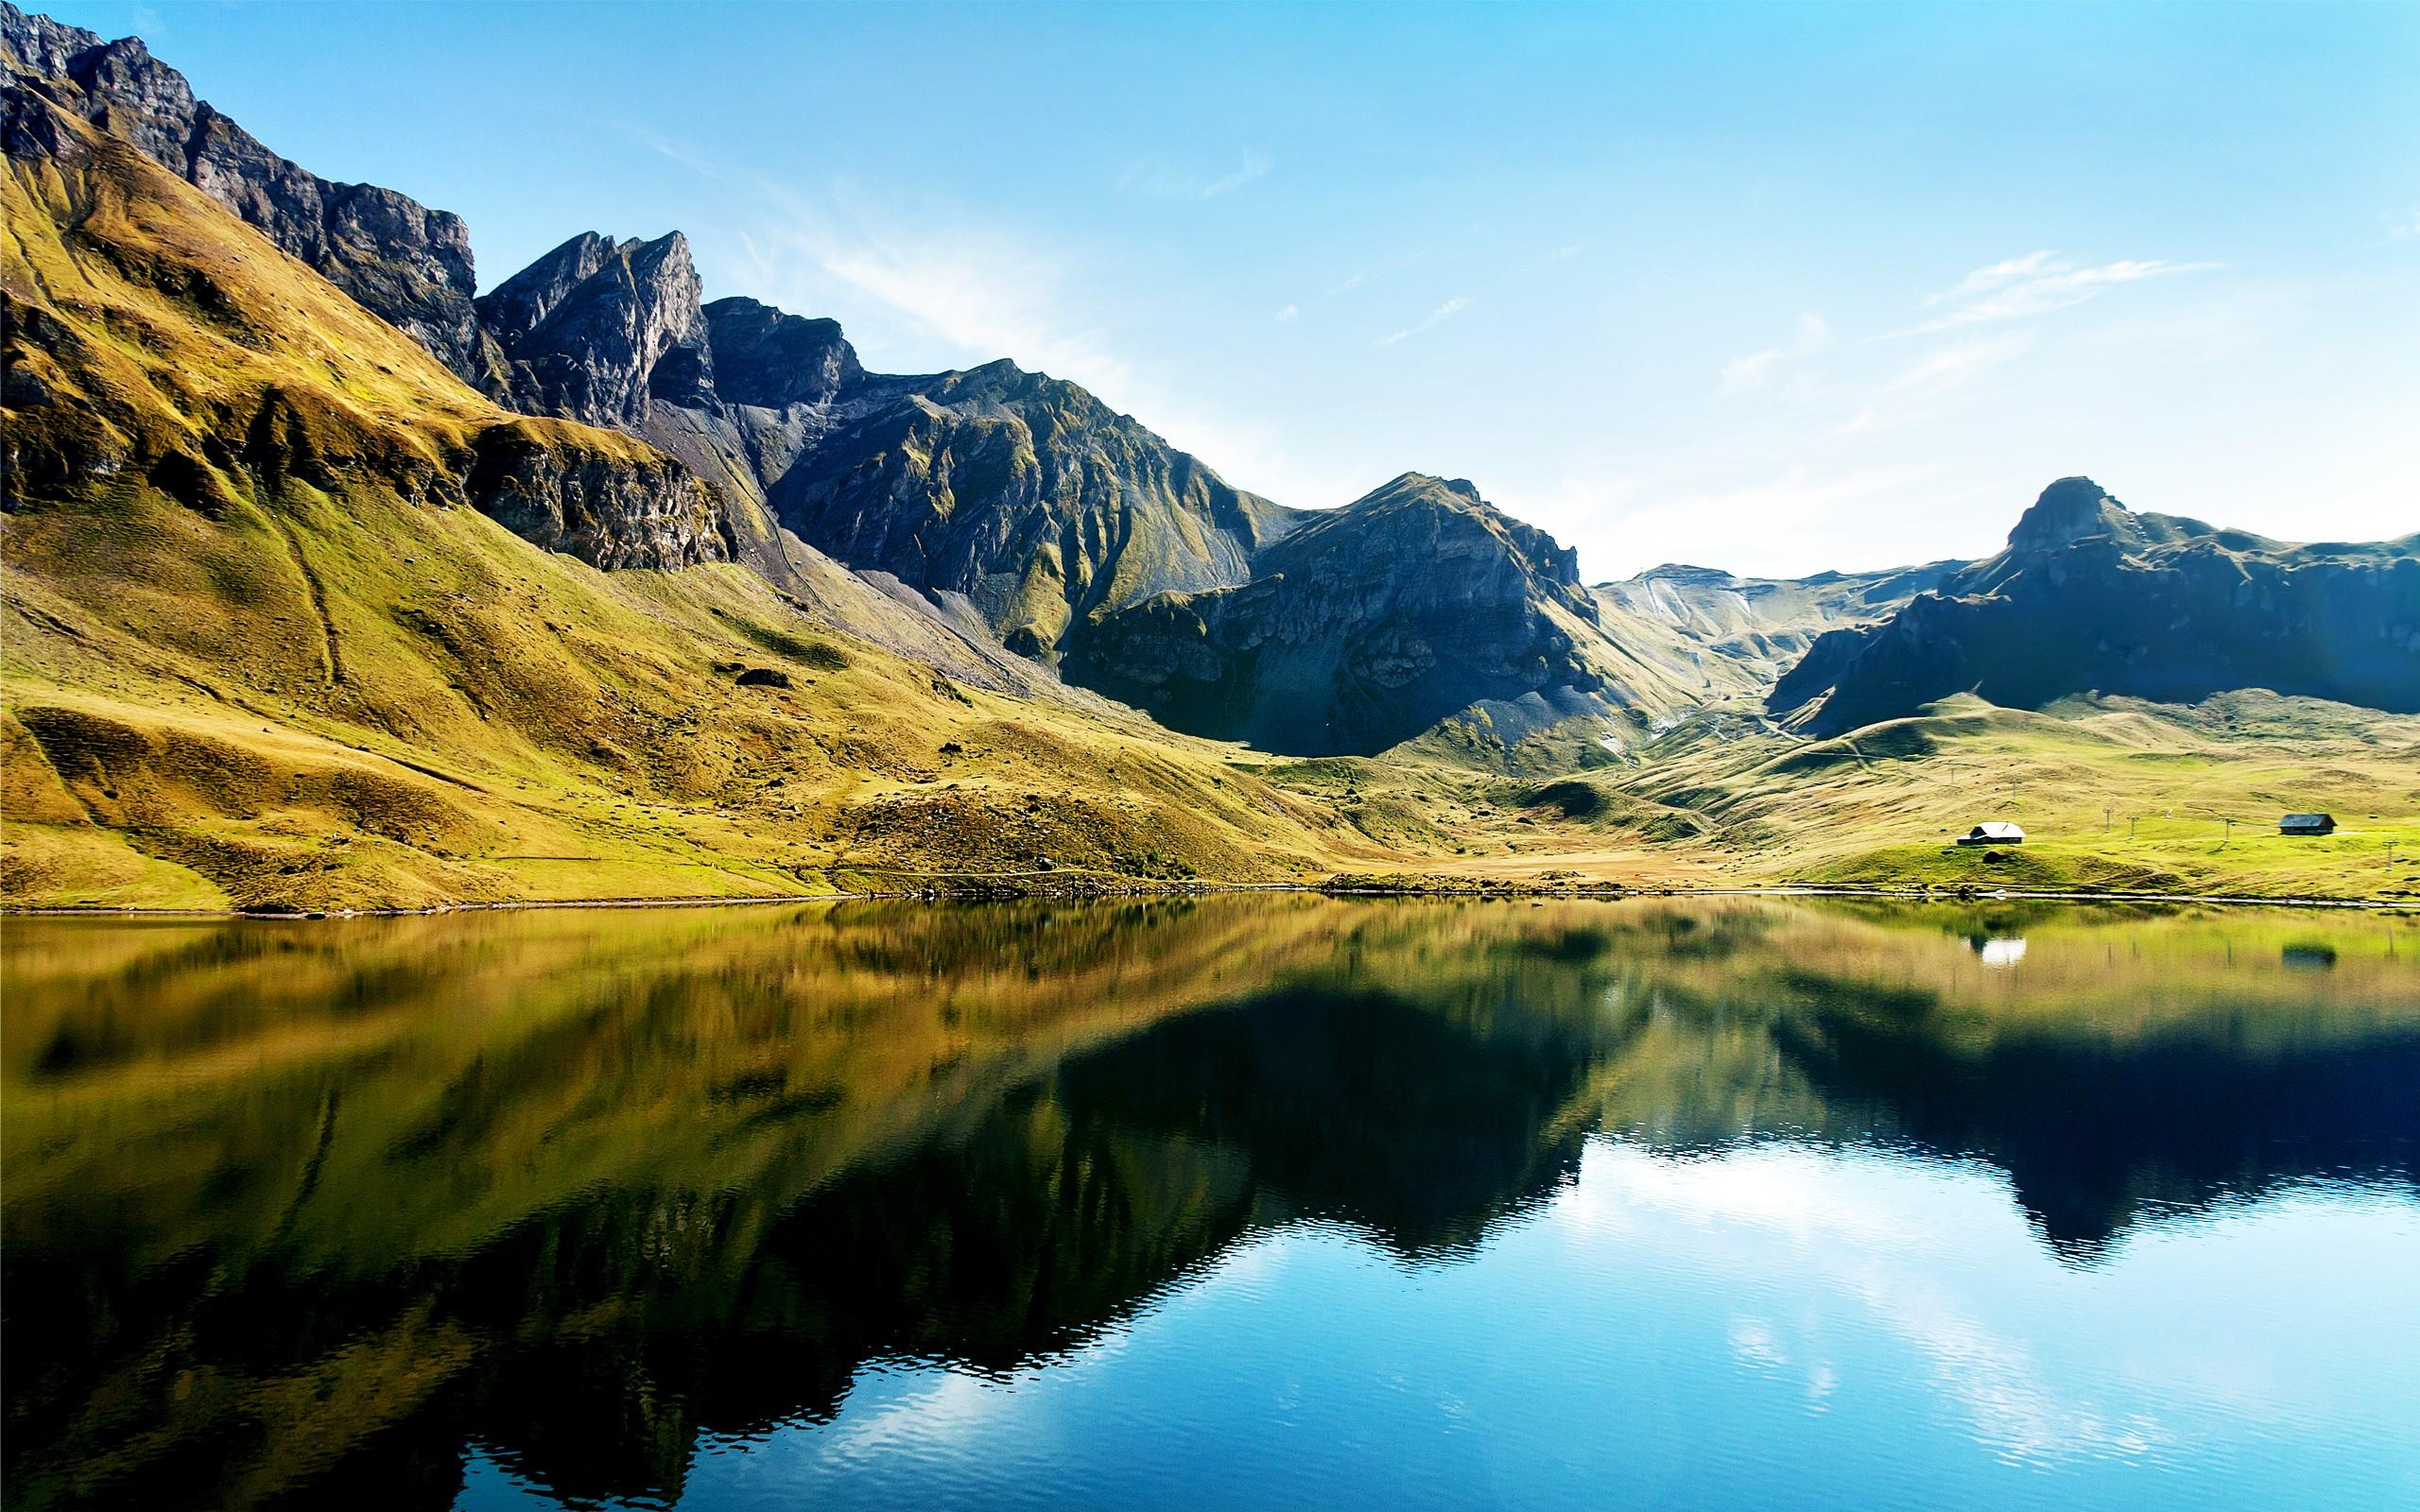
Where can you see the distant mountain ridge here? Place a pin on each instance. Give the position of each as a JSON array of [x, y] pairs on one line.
[[1740, 634], [2092, 596]]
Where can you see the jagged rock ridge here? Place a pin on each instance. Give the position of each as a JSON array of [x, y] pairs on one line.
[[403, 261], [1020, 494]]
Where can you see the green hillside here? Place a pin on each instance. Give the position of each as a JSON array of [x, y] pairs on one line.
[[261, 650]]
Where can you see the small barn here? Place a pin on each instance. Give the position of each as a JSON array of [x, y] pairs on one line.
[[2307, 824], [1992, 831]]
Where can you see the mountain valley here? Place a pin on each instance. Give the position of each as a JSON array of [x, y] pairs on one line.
[[331, 583]]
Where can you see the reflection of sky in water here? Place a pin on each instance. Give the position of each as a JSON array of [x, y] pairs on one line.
[[2001, 952], [1776, 1326]]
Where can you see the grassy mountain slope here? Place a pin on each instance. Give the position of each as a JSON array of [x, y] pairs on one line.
[[257, 651]]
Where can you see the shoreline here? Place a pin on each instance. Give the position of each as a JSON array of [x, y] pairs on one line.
[[1476, 891]]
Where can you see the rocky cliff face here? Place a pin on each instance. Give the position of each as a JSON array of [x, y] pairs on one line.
[[2091, 596], [403, 262], [765, 359], [267, 385], [1020, 495], [608, 510], [614, 334], [1366, 627], [596, 332], [1022, 492]]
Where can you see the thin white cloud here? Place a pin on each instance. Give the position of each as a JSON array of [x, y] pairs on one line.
[[1996, 275], [2020, 288], [987, 291], [2405, 227], [1907, 396], [1444, 312], [1299, 308], [1757, 369], [1948, 367], [1167, 181], [984, 290], [1255, 165]]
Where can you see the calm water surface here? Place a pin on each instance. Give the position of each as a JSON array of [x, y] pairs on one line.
[[1239, 1202]]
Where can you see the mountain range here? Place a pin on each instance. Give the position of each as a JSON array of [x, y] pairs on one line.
[[246, 406]]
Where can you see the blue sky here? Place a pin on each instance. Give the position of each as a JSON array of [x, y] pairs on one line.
[[1768, 288]]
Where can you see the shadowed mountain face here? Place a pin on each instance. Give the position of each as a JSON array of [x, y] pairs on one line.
[[2090, 596], [405, 263], [1018, 496], [296, 1214], [1362, 628], [1023, 493]]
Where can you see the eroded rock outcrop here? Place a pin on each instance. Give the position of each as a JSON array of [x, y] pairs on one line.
[[607, 508], [595, 332]]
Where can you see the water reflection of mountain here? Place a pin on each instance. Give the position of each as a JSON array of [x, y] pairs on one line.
[[295, 1214]]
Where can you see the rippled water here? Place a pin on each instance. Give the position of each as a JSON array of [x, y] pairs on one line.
[[1245, 1201]]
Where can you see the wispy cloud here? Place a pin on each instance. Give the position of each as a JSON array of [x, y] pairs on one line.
[[2020, 288], [1167, 181], [984, 289], [1756, 369], [1948, 367], [1907, 394], [2405, 227], [1444, 312], [1255, 165], [1299, 308]]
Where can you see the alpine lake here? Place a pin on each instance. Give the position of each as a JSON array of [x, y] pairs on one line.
[[1244, 1200]]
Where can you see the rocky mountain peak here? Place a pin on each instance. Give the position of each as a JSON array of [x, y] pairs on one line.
[[1440, 515], [594, 330], [521, 303], [2067, 511], [768, 358], [402, 261]]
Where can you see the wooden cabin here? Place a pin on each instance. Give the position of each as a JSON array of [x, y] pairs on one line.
[[2307, 824], [1992, 831]]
